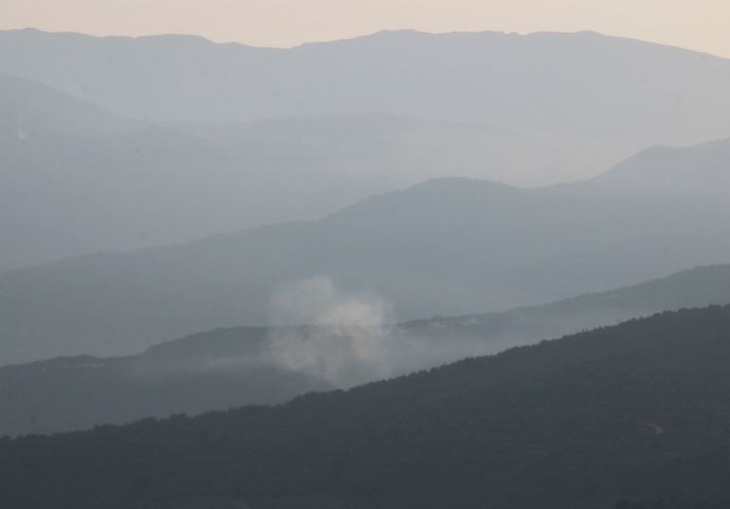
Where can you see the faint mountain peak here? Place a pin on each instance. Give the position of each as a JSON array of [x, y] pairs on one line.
[[460, 184], [442, 189], [399, 35], [185, 38], [28, 106], [695, 164]]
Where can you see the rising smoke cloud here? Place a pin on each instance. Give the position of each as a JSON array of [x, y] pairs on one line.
[[329, 333], [349, 338]]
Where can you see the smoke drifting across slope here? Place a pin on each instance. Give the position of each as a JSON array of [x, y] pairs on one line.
[[346, 341], [352, 338]]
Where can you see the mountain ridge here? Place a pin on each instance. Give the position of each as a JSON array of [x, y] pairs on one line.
[[376, 34], [471, 70]]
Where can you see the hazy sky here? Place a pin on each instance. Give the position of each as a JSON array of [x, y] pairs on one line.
[[696, 24]]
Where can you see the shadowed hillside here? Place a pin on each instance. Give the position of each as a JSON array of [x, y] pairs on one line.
[[632, 412]]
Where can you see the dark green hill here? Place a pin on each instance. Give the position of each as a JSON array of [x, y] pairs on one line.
[[632, 412]]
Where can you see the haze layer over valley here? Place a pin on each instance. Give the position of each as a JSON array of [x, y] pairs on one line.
[[79, 179], [445, 247]]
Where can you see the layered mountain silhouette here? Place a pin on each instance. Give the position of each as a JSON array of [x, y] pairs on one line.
[[78, 179], [248, 365], [602, 96], [446, 247], [255, 136], [252, 278], [632, 412]]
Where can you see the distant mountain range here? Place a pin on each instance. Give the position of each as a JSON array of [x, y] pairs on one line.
[[446, 247], [248, 365], [78, 179], [636, 412], [604, 97], [114, 144]]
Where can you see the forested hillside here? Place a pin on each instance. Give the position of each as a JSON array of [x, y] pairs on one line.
[[635, 412]]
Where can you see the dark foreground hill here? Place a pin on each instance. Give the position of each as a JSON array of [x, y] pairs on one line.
[[633, 412], [225, 368]]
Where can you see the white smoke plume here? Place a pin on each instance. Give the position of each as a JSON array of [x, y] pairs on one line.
[[329, 333]]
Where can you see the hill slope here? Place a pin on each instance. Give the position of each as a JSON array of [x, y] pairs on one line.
[[446, 247], [232, 367], [72, 393], [635, 411]]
